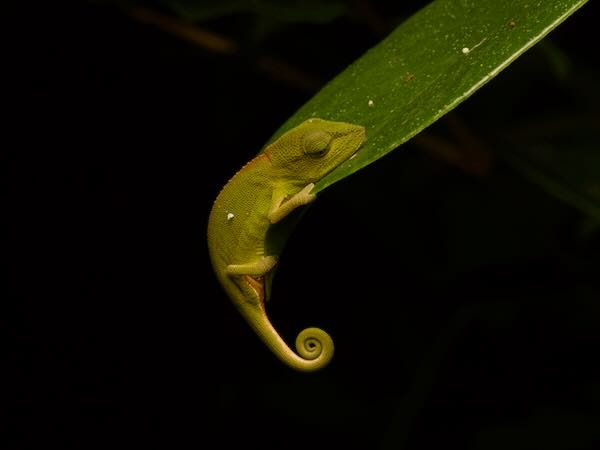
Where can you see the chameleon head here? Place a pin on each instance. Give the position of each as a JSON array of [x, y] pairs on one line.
[[314, 148]]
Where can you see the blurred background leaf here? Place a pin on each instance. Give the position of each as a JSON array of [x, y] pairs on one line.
[[311, 11]]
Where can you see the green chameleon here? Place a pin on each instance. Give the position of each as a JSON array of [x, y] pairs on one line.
[[266, 190]]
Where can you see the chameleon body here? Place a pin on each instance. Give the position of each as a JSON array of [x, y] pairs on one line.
[[266, 190]]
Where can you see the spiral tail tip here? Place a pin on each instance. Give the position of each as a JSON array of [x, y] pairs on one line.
[[315, 345]]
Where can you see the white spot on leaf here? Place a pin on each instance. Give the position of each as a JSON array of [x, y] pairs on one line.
[[467, 50]]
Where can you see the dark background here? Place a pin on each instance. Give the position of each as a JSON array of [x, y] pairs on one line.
[[464, 307]]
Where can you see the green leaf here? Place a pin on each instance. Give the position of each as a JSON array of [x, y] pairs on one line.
[[426, 67]]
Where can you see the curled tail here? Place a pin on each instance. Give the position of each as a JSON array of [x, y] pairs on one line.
[[314, 346]]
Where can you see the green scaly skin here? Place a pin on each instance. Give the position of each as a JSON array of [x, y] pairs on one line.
[[266, 190]]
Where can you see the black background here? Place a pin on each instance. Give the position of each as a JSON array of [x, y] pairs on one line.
[[122, 335]]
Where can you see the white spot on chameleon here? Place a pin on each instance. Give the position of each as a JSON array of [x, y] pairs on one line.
[[371, 103], [230, 217]]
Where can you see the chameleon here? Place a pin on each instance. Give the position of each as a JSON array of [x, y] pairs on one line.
[[266, 190]]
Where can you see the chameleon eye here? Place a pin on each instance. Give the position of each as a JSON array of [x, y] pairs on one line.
[[316, 143]]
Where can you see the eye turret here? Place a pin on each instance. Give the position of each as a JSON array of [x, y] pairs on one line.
[[316, 143]]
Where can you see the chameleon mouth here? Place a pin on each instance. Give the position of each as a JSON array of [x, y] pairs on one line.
[[361, 134], [358, 134]]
